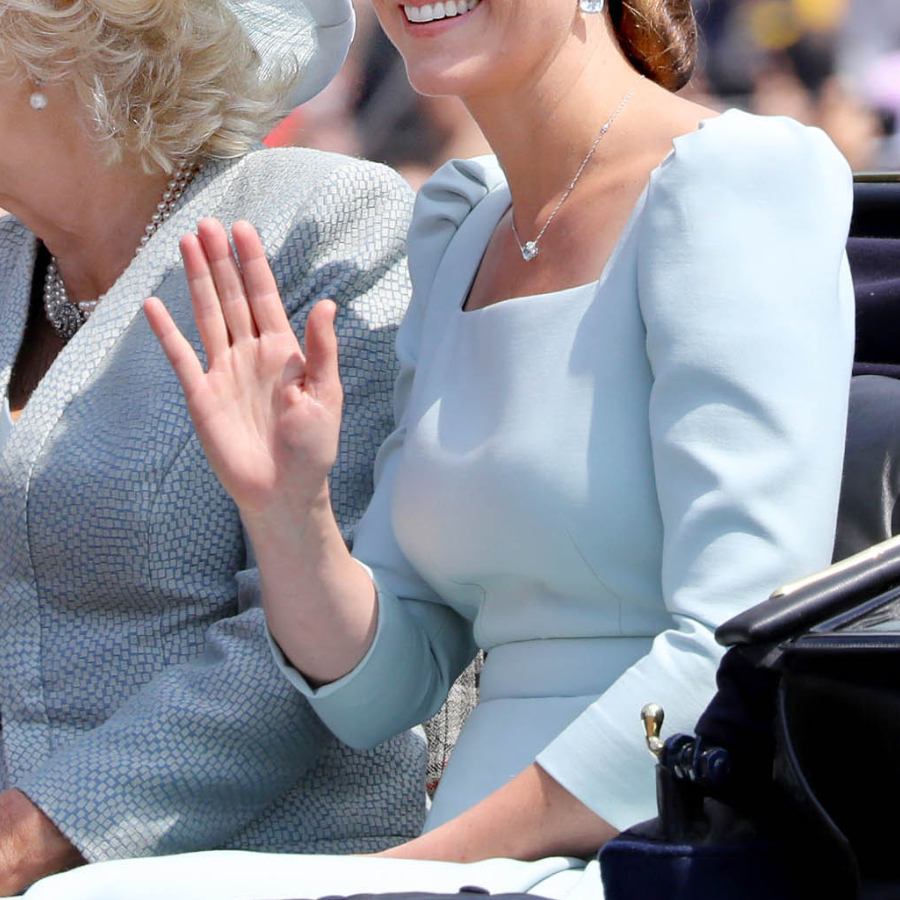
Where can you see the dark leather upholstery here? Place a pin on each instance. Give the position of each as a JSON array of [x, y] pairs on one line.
[[869, 510]]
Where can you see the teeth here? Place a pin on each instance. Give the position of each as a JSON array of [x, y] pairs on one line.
[[442, 9]]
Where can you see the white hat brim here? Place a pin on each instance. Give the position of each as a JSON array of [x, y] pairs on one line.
[[314, 33]]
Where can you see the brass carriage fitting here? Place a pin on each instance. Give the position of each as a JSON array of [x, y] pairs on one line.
[[652, 716]]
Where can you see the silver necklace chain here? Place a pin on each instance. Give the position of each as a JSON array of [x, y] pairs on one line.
[[67, 316], [530, 249]]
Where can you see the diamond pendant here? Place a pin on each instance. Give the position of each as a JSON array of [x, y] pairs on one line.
[[591, 6], [529, 251]]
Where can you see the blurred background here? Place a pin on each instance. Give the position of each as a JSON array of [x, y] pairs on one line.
[[831, 63]]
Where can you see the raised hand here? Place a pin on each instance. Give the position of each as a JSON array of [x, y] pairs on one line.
[[267, 414]]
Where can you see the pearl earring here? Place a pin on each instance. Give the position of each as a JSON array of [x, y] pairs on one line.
[[38, 100], [591, 6]]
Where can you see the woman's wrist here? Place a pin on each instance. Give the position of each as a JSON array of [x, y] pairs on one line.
[[320, 604], [289, 518]]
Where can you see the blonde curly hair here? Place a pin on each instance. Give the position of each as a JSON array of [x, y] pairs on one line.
[[162, 79]]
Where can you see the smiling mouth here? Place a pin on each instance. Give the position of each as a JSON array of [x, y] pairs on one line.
[[431, 12]]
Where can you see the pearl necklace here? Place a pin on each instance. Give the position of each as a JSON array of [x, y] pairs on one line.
[[529, 249], [67, 316]]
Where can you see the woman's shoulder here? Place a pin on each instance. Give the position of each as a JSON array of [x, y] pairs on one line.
[[442, 205], [742, 207], [454, 190], [313, 203], [766, 158], [301, 179], [315, 164]]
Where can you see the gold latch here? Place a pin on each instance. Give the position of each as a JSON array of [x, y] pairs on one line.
[[652, 716]]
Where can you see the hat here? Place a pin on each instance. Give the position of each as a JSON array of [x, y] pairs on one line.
[[315, 34]]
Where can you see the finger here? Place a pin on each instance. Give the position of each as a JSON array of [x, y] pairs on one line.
[[322, 374], [227, 278], [263, 296], [179, 352], [204, 299]]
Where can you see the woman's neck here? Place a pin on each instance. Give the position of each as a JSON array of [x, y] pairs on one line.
[[541, 130], [94, 230]]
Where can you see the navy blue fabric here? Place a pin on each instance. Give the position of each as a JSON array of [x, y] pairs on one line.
[[739, 718], [635, 867], [875, 264]]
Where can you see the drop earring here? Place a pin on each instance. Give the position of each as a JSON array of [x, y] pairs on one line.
[[38, 100], [591, 7]]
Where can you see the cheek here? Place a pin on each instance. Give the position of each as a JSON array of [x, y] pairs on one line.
[[457, 61], [390, 18]]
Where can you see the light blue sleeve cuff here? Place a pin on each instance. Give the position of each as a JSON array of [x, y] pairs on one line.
[[602, 757], [418, 650]]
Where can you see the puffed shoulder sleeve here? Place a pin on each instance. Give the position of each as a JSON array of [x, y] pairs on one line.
[[746, 296], [420, 645], [442, 205]]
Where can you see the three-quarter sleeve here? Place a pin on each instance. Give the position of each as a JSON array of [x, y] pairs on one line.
[[420, 645], [431, 641], [746, 297]]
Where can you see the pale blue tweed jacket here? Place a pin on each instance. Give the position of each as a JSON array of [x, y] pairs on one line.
[[141, 708]]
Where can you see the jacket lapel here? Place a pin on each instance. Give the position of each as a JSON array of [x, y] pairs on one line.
[[80, 360], [17, 257], [87, 351]]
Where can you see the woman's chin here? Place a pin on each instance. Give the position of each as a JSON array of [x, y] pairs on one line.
[[455, 79]]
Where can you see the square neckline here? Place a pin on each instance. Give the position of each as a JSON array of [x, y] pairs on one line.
[[625, 233]]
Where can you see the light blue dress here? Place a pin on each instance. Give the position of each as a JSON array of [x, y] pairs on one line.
[[586, 483]]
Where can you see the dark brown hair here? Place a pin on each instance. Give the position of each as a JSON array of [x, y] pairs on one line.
[[659, 37]]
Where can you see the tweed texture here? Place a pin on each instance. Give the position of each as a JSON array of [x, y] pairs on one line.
[[442, 729], [141, 708]]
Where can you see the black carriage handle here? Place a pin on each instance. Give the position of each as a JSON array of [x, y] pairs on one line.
[[800, 605]]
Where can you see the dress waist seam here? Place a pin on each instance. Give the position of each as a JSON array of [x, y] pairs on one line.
[[558, 667]]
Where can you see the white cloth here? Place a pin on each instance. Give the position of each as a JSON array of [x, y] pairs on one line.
[[234, 875]]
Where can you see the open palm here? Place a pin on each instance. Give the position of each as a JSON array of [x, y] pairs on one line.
[[267, 414]]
